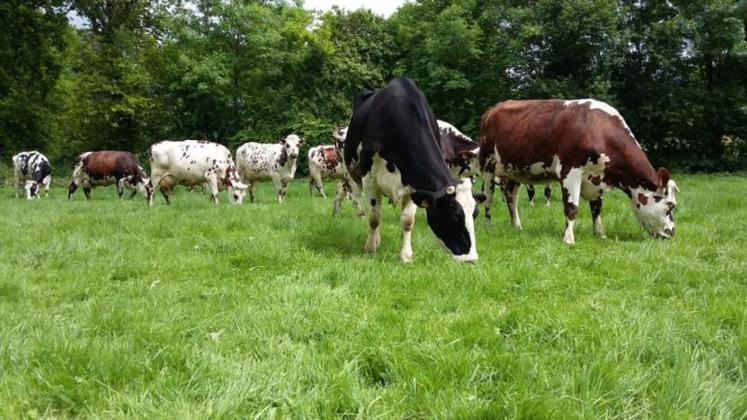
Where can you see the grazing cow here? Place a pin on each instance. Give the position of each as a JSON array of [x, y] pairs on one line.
[[109, 167], [392, 149], [192, 163], [32, 167], [276, 162], [584, 144]]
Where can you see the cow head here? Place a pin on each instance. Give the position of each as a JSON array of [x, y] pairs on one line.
[[654, 209], [236, 189], [449, 217], [146, 187], [291, 144], [32, 189]]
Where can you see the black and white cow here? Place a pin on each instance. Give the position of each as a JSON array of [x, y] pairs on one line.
[[108, 167], [195, 162], [276, 162], [34, 168], [392, 149]]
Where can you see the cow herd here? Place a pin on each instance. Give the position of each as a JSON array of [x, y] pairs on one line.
[[395, 148]]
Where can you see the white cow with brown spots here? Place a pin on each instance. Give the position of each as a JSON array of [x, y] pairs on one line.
[[263, 162], [323, 164], [195, 162]]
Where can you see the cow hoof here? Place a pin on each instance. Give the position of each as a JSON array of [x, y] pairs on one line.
[[406, 257], [568, 241]]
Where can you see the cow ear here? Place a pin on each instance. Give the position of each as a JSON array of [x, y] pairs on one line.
[[420, 200], [663, 177], [466, 154], [479, 197]]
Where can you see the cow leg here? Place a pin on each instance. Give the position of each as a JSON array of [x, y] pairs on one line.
[[487, 180], [46, 182], [315, 181], [548, 195], [571, 195], [71, 189], [120, 188], [250, 188], [374, 218], [132, 194], [166, 192], [212, 185], [357, 204], [511, 194], [530, 194], [278, 187], [596, 214], [87, 192], [340, 195], [407, 217], [284, 191]]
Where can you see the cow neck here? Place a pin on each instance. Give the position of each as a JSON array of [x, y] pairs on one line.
[[421, 165], [631, 174]]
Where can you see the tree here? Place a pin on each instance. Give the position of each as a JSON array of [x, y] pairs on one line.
[[31, 50]]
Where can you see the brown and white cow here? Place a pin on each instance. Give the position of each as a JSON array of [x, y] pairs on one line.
[[195, 162], [109, 167], [324, 163], [460, 152], [584, 144]]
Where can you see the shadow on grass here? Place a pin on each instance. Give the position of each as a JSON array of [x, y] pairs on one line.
[[336, 240]]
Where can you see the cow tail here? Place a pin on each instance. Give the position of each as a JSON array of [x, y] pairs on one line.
[[487, 137]]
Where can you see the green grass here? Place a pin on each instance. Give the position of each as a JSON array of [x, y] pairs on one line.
[[110, 309]]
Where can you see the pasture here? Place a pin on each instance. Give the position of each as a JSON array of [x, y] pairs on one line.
[[109, 309]]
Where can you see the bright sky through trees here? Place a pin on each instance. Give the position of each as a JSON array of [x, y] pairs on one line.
[[380, 7]]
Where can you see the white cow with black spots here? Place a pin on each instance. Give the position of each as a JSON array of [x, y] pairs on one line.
[[192, 163], [263, 162], [34, 168]]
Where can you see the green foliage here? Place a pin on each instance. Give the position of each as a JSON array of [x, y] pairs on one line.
[[112, 309], [31, 51]]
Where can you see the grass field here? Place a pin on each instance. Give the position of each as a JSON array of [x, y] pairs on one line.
[[110, 309]]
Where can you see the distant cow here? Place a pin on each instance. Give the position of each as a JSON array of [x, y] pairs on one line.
[[460, 152], [584, 144], [344, 188], [32, 167], [463, 156], [324, 163], [276, 162], [109, 167], [392, 149], [192, 163]]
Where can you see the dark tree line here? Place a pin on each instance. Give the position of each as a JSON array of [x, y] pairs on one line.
[[241, 70]]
